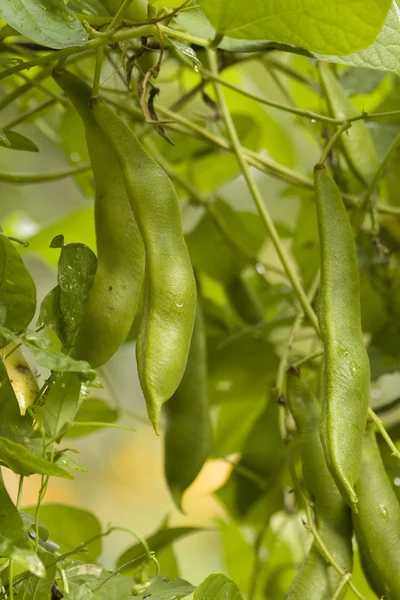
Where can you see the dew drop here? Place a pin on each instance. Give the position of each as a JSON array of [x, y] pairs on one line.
[[384, 511], [260, 269]]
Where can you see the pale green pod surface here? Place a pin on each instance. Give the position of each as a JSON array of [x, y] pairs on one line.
[[377, 524], [346, 377], [312, 580], [357, 143], [316, 578], [170, 289], [114, 297], [187, 435]]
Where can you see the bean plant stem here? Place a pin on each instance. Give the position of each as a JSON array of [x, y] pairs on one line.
[[336, 136], [309, 358], [20, 490], [32, 112], [264, 214], [25, 178], [295, 111], [381, 428]]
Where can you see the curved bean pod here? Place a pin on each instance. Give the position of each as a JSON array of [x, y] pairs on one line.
[[115, 295], [346, 378], [188, 427], [317, 579], [170, 289], [377, 524]]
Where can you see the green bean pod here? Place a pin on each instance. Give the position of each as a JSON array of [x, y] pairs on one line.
[[346, 376], [170, 289], [357, 144], [245, 301], [188, 427], [317, 579], [115, 295], [377, 524]]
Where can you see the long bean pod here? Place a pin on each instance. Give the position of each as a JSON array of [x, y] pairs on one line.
[[170, 289], [346, 378]]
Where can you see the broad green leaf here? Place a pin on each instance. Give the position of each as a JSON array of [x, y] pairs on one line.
[[17, 141], [64, 307], [36, 588], [14, 541], [61, 404], [232, 237], [17, 288], [357, 82], [78, 226], [324, 26], [238, 553], [240, 369], [92, 410], [18, 458], [13, 425], [48, 22], [88, 7], [168, 563], [159, 540], [383, 53], [196, 23], [45, 354], [260, 466], [70, 527], [30, 525], [119, 587], [217, 587]]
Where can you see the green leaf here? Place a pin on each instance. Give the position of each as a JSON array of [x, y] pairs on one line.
[[258, 470], [119, 587], [30, 525], [232, 237], [14, 541], [64, 307], [383, 53], [17, 288], [238, 553], [48, 22], [18, 458], [240, 368], [217, 587], [159, 540], [45, 354], [13, 425], [16, 141], [92, 410], [36, 588], [61, 404], [88, 7], [69, 527], [320, 26]]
